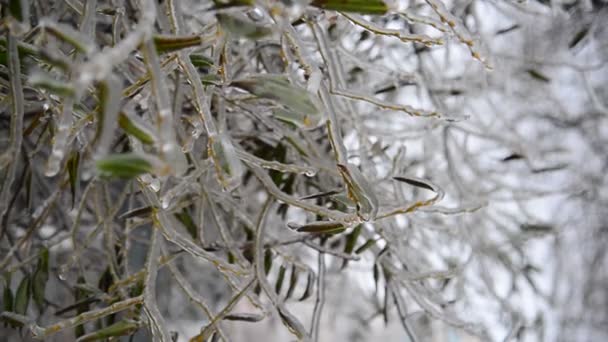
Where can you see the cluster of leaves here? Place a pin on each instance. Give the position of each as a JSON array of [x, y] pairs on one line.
[[140, 137]]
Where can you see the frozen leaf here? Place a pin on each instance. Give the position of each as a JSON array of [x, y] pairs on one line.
[[241, 26], [321, 227], [201, 61], [232, 3], [22, 296], [298, 119], [351, 241], [185, 218], [303, 110], [126, 165], [165, 44], [135, 129], [267, 260], [578, 37], [53, 86], [244, 317], [310, 283], [122, 328], [369, 243], [40, 278], [415, 182], [537, 75], [7, 295], [73, 172], [360, 192], [293, 281], [228, 166], [354, 6], [279, 284]]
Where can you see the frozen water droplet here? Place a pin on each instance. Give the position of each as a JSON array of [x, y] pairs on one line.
[[155, 185], [63, 272], [310, 173], [166, 201]]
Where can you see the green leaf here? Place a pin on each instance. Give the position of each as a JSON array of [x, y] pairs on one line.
[[22, 297], [53, 86], [302, 109], [125, 166], [17, 9], [185, 218], [267, 260], [293, 281], [228, 166], [415, 182], [73, 167], [376, 272], [66, 33], [122, 328], [536, 228], [134, 129], [165, 44], [537, 75], [360, 191], [351, 240], [279, 284], [7, 296], [321, 227], [244, 317], [354, 6], [578, 37], [232, 3], [40, 278], [240, 26], [309, 287], [290, 324], [201, 61], [366, 246]]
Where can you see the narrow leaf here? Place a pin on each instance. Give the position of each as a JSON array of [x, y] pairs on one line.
[[351, 240], [7, 298], [267, 260], [122, 328], [369, 243], [536, 228], [360, 191], [73, 168], [321, 227], [244, 317], [293, 281], [415, 182], [53, 86], [537, 75], [40, 278], [135, 129], [279, 284], [309, 287], [513, 156], [228, 166], [578, 37], [165, 44], [124, 165], [303, 110], [22, 296], [241, 26], [185, 218], [354, 6]]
